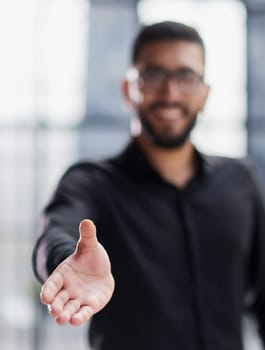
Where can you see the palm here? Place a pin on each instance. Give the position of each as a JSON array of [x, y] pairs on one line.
[[82, 284]]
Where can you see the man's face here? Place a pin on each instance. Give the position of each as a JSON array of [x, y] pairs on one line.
[[169, 90]]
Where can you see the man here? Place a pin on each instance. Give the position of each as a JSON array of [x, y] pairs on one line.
[[184, 232]]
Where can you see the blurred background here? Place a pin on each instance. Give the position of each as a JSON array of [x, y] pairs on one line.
[[61, 63]]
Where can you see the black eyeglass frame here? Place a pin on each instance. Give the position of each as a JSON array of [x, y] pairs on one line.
[[154, 78]]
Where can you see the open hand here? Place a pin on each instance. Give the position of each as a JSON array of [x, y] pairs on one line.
[[82, 284]]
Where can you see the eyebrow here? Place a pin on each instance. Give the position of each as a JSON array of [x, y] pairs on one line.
[[184, 69]]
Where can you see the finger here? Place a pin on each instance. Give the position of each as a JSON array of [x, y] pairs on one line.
[[70, 308], [56, 307], [81, 316], [51, 287], [88, 238]]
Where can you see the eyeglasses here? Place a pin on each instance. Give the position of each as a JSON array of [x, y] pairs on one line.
[[155, 78]]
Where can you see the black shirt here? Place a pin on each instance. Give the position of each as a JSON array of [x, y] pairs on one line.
[[185, 261]]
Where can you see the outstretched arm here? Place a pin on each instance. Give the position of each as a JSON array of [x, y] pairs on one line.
[[82, 284]]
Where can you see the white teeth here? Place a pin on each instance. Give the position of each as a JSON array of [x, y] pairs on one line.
[[171, 117], [170, 114]]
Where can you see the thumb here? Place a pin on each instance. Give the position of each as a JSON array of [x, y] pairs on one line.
[[88, 238]]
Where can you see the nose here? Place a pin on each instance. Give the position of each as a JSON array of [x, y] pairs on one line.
[[171, 89]]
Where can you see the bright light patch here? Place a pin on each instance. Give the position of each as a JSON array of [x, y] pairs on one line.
[[43, 61]]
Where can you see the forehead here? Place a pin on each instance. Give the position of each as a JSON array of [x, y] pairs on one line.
[[172, 54]]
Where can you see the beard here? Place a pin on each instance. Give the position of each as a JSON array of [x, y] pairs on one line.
[[166, 141]]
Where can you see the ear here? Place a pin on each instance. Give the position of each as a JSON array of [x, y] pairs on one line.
[[125, 91], [204, 96], [130, 92]]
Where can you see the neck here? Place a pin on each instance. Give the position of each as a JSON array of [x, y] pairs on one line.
[[176, 166]]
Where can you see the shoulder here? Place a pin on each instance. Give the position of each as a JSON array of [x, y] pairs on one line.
[[82, 167], [241, 169], [217, 162], [85, 173], [91, 167]]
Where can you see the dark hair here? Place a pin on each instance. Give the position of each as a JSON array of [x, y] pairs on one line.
[[165, 31]]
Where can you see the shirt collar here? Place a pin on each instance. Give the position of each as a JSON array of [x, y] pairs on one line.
[[136, 164]]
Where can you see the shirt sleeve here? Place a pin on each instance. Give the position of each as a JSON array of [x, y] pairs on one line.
[[73, 200], [257, 262]]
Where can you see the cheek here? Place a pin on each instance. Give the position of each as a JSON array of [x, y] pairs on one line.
[[142, 102], [148, 99], [195, 105]]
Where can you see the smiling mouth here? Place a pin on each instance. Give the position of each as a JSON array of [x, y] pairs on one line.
[[169, 113]]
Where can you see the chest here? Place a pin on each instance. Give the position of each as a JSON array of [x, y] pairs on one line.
[[158, 223]]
